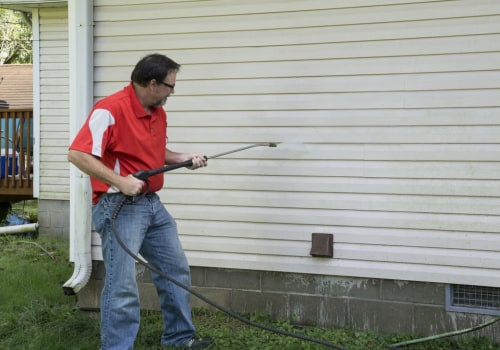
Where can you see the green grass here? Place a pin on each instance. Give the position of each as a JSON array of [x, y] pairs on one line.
[[35, 314]]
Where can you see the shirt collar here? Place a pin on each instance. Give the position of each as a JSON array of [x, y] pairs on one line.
[[137, 106]]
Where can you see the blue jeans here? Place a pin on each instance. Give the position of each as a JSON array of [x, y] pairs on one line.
[[147, 228]]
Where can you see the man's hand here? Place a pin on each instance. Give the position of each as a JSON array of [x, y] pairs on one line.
[[131, 186], [199, 161], [92, 166]]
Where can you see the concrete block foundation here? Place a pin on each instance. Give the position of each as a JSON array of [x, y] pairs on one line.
[[53, 218], [381, 306]]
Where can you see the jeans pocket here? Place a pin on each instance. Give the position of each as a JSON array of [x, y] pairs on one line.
[[104, 211], [97, 221], [99, 213]]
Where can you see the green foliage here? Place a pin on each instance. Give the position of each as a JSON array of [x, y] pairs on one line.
[[27, 209], [35, 314], [15, 37]]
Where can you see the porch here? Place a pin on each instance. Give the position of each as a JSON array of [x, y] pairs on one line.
[[16, 167]]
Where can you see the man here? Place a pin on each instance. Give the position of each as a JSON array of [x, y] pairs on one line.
[[124, 133]]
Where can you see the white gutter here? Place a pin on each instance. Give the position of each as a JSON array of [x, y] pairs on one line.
[[30, 5], [33, 2], [81, 73]]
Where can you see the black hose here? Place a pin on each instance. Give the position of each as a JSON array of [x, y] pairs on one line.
[[202, 297]]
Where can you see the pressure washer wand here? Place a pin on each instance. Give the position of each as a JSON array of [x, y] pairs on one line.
[[145, 174]]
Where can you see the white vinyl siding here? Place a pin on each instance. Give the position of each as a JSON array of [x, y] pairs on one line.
[[54, 103], [388, 111]]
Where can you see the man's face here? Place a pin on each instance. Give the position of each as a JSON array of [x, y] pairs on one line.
[[163, 89]]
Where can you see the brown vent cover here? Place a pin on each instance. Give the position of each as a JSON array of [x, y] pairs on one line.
[[322, 245]]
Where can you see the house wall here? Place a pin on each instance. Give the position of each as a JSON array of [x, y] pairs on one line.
[[388, 114], [387, 111], [53, 213]]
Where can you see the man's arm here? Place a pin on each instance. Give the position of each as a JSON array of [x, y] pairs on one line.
[[175, 157], [92, 166]]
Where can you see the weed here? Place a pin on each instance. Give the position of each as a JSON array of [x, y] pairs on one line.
[[35, 314]]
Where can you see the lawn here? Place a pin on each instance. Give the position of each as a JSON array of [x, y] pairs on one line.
[[35, 314]]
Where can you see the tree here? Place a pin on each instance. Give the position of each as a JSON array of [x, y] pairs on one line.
[[15, 35]]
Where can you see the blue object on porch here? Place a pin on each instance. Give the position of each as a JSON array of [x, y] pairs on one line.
[[6, 166]]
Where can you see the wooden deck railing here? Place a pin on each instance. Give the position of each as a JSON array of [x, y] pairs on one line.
[[16, 141]]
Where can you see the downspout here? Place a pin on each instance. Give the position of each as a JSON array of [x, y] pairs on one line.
[[81, 73]]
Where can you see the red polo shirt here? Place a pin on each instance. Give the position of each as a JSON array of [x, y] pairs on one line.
[[125, 137]]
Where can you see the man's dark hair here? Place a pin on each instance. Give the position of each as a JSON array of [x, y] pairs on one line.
[[153, 66]]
